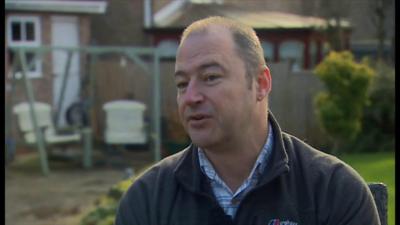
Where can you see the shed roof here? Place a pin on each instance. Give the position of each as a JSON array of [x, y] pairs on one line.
[[258, 18], [65, 6]]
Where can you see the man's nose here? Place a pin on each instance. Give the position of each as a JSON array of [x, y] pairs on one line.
[[193, 94]]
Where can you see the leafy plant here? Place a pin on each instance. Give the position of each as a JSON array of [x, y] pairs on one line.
[[340, 108], [379, 120], [106, 206]]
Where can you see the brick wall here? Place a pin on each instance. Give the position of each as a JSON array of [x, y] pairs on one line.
[[122, 24], [43, 86]]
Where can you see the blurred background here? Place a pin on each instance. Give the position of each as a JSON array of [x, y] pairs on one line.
[[90, 97]]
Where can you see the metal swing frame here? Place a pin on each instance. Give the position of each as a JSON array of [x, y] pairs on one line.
[[132, 53]]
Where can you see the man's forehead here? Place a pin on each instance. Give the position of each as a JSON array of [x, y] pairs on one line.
[[201, 66], [204, 48], [204, 43]]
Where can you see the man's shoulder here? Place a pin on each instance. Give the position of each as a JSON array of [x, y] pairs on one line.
[[340, 190], [320, 168], [319, 162], [153, 185], [161, 174], [164, 168]]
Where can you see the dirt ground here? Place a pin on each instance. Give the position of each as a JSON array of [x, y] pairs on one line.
[[68, 192]]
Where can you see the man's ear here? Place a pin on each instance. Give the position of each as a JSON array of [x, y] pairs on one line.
[[264, 83]]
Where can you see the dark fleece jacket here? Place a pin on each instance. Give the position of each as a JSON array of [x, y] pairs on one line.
[[300, 186]]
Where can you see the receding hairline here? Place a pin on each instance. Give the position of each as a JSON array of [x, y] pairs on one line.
[[207, 30], [205, 25]]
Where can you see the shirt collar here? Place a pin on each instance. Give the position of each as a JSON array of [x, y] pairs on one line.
[[258, 167]]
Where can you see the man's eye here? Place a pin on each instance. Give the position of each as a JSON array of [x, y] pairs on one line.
[[181, 85], [212, 78]]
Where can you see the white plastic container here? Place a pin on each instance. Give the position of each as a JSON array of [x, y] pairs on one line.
[[43, 114], [125, 122], [44, 120]]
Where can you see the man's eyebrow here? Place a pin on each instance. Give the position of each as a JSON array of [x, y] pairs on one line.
[[179, 73], [211, 64], [204, 66]]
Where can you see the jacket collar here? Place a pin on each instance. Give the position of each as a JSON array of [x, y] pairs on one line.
[[188, 172], [279, 162]]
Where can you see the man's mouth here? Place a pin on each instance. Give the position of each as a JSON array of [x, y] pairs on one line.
[[197, 119]]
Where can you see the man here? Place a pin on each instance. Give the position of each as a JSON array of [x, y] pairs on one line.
[[240, 168]]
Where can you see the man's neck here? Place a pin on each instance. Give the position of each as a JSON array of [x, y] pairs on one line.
[[234, 161]]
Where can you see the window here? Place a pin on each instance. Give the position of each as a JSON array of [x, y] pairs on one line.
[[24, 31], [292, 51], [168, 49], [268, 51], [313, 53]]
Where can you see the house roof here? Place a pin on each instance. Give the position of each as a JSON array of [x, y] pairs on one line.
[[65, 6], [256, 17]]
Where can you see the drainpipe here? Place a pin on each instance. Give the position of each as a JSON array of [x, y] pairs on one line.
[[148, 13]]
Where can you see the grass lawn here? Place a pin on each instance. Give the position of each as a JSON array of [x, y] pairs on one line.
[[376, 167]]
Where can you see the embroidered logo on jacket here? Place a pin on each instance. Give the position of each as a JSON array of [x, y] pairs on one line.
[[278, 222]]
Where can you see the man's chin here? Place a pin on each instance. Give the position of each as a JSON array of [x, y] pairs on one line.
[[201, 142]]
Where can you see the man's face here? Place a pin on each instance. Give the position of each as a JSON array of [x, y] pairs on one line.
[[214, 101]]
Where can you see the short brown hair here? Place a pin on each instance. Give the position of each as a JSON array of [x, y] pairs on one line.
[[245, 38]]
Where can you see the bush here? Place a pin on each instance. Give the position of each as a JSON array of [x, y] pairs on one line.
[[106, 206], [379, 120], [339, 109]]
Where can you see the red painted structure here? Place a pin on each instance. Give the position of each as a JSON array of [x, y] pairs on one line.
[[273, 36], [271, 26]]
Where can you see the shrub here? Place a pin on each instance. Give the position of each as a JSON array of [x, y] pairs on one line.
[[106, 206], [379, 120], [339, 109]]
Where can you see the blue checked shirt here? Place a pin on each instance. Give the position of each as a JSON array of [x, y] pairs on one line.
[[228, 200]]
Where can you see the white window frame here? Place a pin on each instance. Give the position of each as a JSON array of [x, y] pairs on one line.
[[36, 42]]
